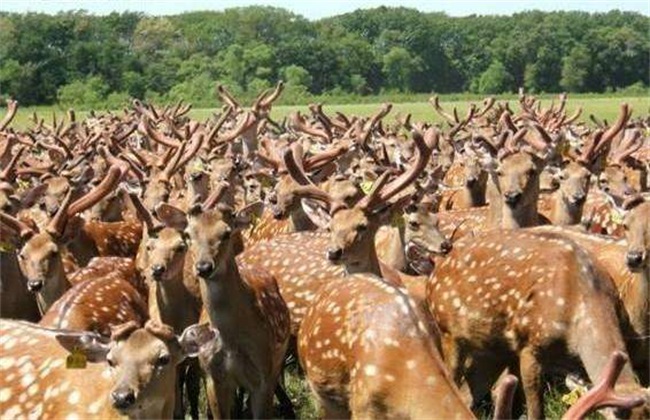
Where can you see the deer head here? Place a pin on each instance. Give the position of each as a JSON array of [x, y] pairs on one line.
[[637, 232], [143, 361]]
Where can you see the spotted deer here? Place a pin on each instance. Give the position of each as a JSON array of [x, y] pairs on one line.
[[518, 299], [244, 303], [40, 256], [137, 380], [173, 291], [368, 352], [626, 264], [300, 262]]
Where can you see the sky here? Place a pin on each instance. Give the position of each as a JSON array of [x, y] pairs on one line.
[[323, 8]]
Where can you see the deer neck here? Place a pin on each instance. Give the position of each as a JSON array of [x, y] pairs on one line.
[[174, 304], [53, 289], [493, 196], [474, 196], [367, 263], [227, 300], [564, 213]]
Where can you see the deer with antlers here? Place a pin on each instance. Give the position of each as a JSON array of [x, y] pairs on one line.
[[136, 382], [40, 255], [510, 299], [243, 302]]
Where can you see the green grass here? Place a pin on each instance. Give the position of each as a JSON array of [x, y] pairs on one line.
[[603, 106]]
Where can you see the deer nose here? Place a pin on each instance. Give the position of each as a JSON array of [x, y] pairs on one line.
[[204, 268], [512, 198], [34, 285], [123, 399], [157, 271], [446, 246], [334, 254], [579, 198], [634, 259]]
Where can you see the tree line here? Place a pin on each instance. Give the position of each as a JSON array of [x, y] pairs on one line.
[[80, 59]]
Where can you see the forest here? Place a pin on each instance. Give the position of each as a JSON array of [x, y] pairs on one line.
[[84, 60]]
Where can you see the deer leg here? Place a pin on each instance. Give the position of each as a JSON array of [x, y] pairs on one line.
[[179, 409], [286, 406], [531, 377], [193, 386], [261, 401]]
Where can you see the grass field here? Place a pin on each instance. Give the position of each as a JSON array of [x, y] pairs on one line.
[[603, 107]]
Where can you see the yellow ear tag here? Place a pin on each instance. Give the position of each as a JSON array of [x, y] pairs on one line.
[[6, 247], [76, 359], [616, 217], [315, 149], [571, 397], [397, 220], [366, 186]]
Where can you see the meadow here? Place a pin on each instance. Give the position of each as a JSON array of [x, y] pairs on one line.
[[603, 106]]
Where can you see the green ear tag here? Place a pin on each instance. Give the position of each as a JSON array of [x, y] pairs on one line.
[[266, 182], [76, 359], [366, 186]]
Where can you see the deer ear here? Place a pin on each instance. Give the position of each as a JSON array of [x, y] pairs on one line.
[[29, 197], [245, 215], [200, 340], [171, 216], [316, 213], [94, 346]]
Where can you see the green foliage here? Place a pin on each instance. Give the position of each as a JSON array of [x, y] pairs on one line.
[[386, 49], [86, 93], [495, 79]]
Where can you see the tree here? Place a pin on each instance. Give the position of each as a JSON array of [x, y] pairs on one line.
[[575, 69], [399, 68], [495, 79], [296, 76]]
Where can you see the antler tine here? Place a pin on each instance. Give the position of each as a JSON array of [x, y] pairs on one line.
[[222, 119], [20, 227], [215, 196], [603, 395], [488, 103], [424, 147], [292, 157], [435, 101], [536, 143], [245, 124], [150, 222], [268, 101], [506, 119], [12, 107], [592, 148], [108, 184], [6, 172], [574, 117], [373, 198], [58, 222], [317, 110], [145, 128], [172, 165], [623, 118], [227, 97], [300, 124], [596, 121], [459, 126], [627, 146], [383, 111], [191, 151], [323, 158], [504, 394]]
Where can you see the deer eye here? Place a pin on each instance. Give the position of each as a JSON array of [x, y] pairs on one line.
[[530, 172], [499, 172], [362, 228], [413, 224], [110, 362], [181, 247], [225, 234], [163, 360]]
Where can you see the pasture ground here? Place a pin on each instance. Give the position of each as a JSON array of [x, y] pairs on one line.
[[604, 107]]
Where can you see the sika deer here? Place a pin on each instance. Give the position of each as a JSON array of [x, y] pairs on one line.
[[523, 300], [369, 352], [174, 296], [40, 257], [244, 303], [137, 383]]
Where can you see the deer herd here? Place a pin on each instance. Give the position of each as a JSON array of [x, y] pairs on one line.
[[414, 270]]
